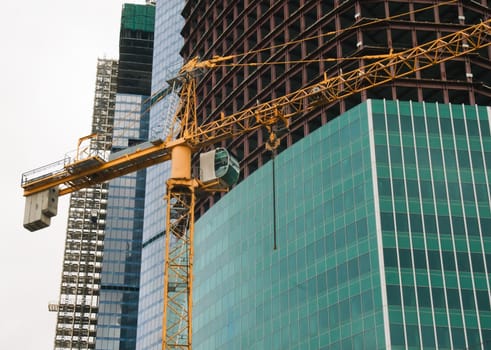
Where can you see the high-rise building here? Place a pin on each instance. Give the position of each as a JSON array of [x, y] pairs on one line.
[[383, 242], [167, 61], [120, 276], [341, 35], [78, 305]]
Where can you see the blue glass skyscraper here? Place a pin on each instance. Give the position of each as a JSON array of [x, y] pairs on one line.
[[167, 61], [120, 277]]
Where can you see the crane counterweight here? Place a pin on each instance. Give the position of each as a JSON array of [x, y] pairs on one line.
[[40, 208]]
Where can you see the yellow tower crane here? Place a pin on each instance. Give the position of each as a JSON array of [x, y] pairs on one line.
[[187, 137]]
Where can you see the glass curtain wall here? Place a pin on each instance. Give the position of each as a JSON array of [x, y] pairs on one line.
[[433, 178], [120, 278], [320, 288], [118, 302], [166, 63], [383, 229]]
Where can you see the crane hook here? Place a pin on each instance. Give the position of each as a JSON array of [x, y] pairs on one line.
[[273, 141]]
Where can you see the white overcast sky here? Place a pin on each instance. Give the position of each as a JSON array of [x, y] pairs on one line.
[[48, 56]]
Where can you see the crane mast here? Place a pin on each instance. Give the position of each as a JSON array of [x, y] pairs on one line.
[[187, 137], [180, 199]]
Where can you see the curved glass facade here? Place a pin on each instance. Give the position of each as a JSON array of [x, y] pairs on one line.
[[321, 287], [383, 229]]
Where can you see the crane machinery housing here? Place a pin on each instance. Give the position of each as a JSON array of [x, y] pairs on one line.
[[218, 170]]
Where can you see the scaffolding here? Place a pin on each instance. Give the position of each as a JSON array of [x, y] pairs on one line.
[[77, 308]]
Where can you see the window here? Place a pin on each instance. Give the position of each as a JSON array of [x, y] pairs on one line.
[[393, 295], [424, 299], [416, 223], [486, 226], [453, 298], [419, 259], [443, 337], [409, 156], [402, 223], [448, 261], [432, 125], [430, 223], [446, 126], [387, 221], [412, 335], [458, 337], [458, 225], [409, 296], [398, 187], [434, 260], [483, 300], [397, 334], [438, 297], [381, 154], [428, 336], [468, 299], [395, 154], [406, 124], [384, 187], [444, 224], [463, 262], [463, 157], [390, 257]]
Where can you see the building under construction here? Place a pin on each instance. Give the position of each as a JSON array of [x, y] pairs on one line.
[[282, 46], [370, 229], [98, 304], [78, 305]]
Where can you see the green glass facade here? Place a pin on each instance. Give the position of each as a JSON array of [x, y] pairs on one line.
[[383, 232], [137, 17], [433, 179], [320, 287]]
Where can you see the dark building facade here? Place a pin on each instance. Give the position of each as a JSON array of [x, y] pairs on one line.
[[275, 31], [136, 49]]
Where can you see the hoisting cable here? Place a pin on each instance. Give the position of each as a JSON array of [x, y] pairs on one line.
[[272, 144], [273, 154]]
